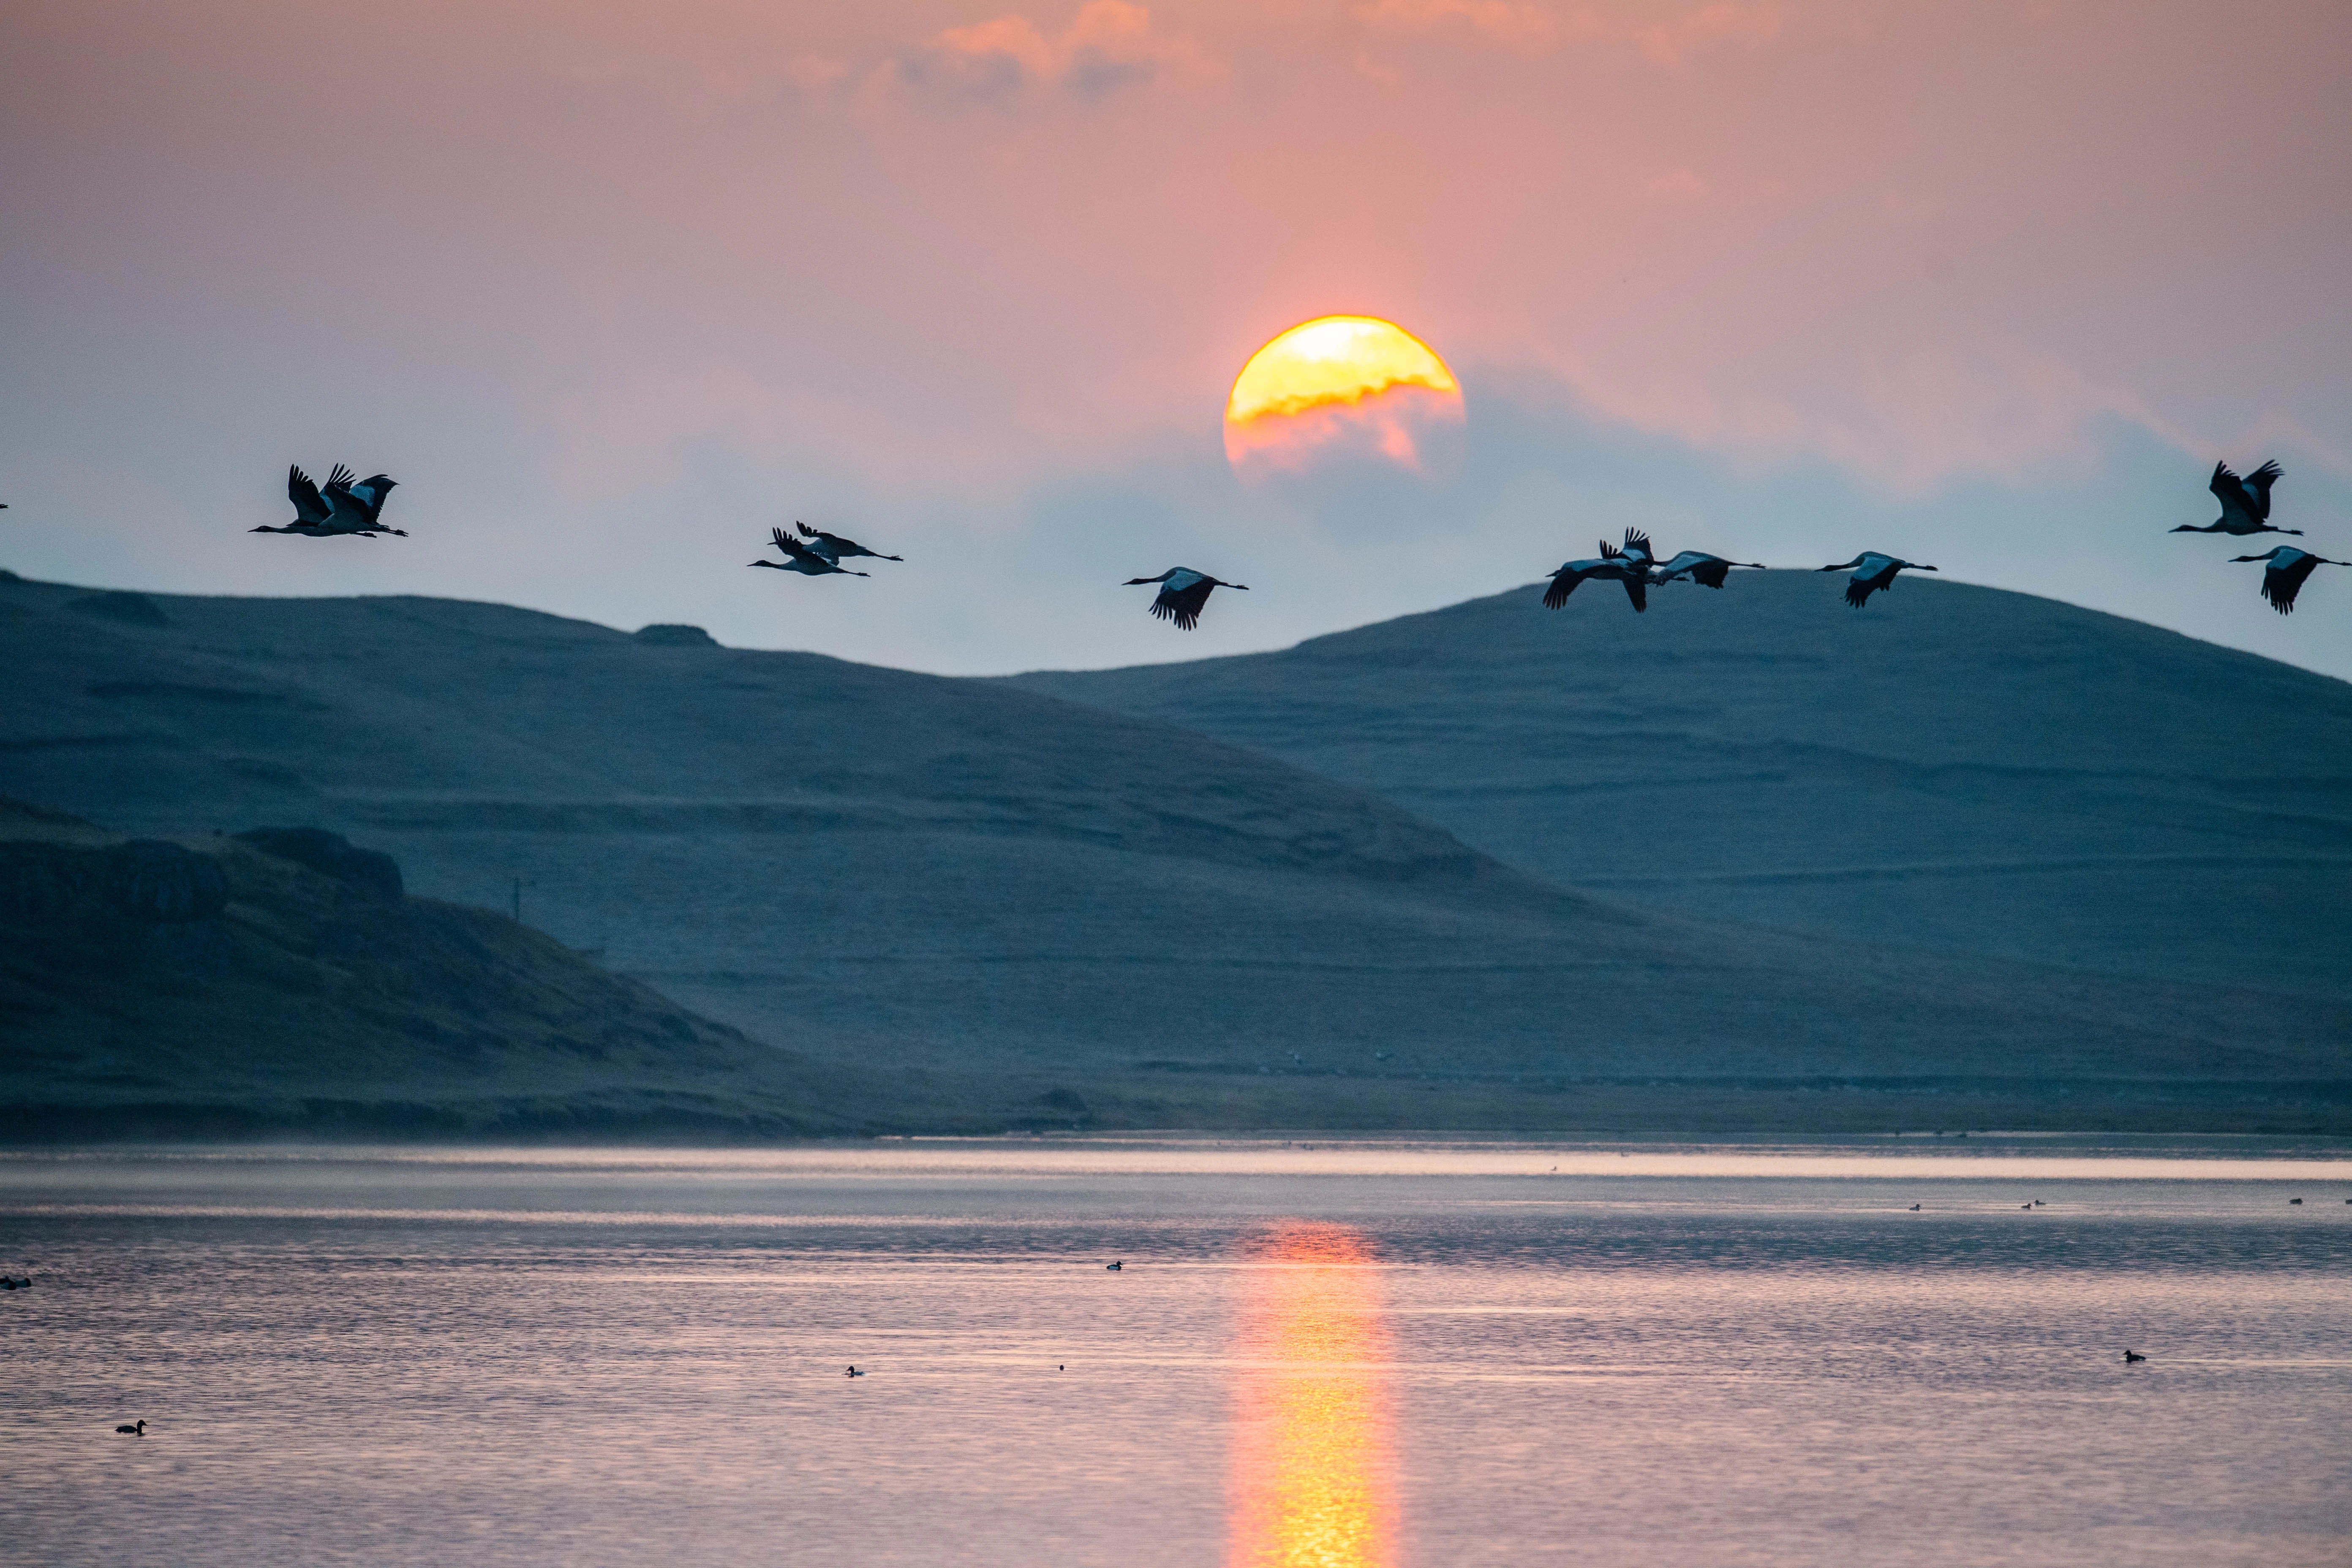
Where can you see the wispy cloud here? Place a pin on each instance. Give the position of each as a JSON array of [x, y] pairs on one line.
[[1108, 44]]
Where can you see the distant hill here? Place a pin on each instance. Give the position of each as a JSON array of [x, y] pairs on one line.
[[1014, 909], [1955, 769]]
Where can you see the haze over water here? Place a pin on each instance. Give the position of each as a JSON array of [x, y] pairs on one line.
[[1355, 1354]]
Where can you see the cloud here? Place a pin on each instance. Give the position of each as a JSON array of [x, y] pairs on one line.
[[1108, 44]]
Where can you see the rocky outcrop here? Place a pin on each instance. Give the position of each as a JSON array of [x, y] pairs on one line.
[[330, 855], [676, 636]]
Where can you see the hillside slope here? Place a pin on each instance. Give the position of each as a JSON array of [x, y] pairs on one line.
[[1956, 769], [1040, 911], [207, 985]]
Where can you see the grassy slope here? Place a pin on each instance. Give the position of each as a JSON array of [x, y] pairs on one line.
[[1020, 909], [1953, 769]]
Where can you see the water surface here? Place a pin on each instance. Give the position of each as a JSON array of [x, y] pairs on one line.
[[1349, 1354]]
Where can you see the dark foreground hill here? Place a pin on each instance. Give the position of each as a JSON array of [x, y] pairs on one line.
[[212, 985], [1953, 769], [1027, 911]]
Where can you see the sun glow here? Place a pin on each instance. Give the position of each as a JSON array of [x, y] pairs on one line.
[[1312, 1462], [1337, 384]]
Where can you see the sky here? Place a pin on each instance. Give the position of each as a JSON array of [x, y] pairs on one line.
[[613, 288]]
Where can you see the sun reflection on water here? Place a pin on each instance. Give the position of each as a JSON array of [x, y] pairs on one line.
[[1311, 1455]]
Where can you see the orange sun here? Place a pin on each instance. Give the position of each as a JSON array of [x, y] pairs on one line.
[[1343, 387]]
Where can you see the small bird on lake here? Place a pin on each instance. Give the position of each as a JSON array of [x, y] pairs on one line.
[[138, 1431], [833, 547], [2288, 569], [1707, 571], [853, 1371], [1914, 1208], [2245, 503], [1183, 594], [24, 1283], [802, 559], [2134, 1355], [1114, 1268], [1872, 572]]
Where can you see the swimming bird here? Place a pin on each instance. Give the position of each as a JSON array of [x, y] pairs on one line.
[[2288, 569], [1184, 593], [371, 493], [833, 547], [138, 1431], [1707, 571], [1872, 572], [802, 559], [853, 1371], [2134, 1355], [1114, 1268], [2245, 503], [309, 507], [1629, 565], [1914, 1208]]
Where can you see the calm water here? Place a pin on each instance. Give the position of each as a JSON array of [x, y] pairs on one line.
[[1361, 1354]]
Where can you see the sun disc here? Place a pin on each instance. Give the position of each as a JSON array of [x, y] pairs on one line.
[[1339, 385]]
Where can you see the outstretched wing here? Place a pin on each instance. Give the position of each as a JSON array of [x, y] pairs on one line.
[[795, 548], [1638, 543], [1563, 584], [2231, 493], [309, 506], [1637, 590], [341, 479], [1709, 571], [2285, 578], [2260, 481], [1183, 605]]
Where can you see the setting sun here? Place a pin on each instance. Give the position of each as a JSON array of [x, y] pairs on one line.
[[1339, 385]]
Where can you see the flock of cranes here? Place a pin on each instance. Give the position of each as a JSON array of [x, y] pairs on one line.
[[349, 505], [2246, 509]]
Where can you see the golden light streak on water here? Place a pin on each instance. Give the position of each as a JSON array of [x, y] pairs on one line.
[[1312, 1481]]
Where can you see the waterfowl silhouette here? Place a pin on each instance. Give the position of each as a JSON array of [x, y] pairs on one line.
[[1114, 1268], [1183, 596], [371, 493], [2134, 1355], [1914, 1208], [801, 558], [2245, 503], [138, 1431], [2288, 570], [1872, 572], [833, 547], [1629, 565], [310, 508], [853, 1371], [1707, 571]]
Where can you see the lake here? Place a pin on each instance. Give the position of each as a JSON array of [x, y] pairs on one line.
[[1364, 1352]]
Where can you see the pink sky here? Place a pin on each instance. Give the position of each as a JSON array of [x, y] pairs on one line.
[[611, 287]]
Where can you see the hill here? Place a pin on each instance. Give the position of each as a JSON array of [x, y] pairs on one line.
[[1954, 769], [1025, 911], [285, 983]]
